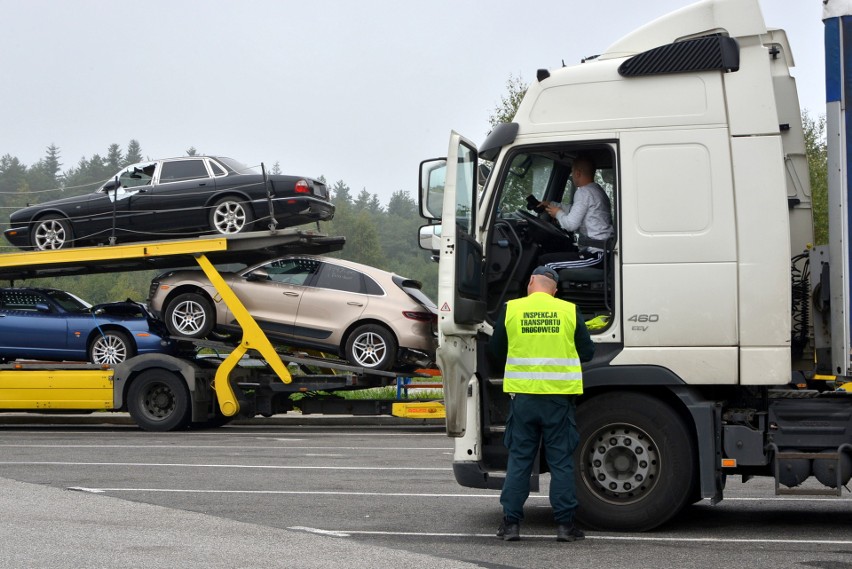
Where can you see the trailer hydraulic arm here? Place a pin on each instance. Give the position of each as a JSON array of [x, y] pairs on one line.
[[253, 338]]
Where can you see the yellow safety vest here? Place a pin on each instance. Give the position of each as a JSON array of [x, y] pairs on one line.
[[542, 357]]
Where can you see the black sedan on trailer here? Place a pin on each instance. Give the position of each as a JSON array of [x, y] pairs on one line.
[[171, 199]]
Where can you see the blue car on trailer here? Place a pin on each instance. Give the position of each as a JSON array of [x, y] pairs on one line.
[[55, 325]]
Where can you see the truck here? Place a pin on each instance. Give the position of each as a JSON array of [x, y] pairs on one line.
[[203, 383], [722, 333]]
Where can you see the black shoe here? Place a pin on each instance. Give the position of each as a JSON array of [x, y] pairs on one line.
[[509, 531], [568, 532]]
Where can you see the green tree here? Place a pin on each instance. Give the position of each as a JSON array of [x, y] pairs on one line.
[[362, 202], [374, 206], [191, 151], [114, 158], [505, 111], [134, 153], [14, 189], [341, 195], [362, 242], [51, 166], [817, 153], [12, 174], [401, 205]]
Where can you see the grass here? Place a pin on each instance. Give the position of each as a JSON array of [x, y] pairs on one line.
[[387, 393]]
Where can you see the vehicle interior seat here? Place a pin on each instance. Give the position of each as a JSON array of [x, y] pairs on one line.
[[590, 288]]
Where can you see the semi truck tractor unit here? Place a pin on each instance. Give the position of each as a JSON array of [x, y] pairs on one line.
[[722, 333]]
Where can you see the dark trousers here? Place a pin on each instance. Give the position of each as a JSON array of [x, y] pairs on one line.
[[534, 419], [572, 260]]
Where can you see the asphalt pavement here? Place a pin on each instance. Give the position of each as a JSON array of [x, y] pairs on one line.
[[53, 528]]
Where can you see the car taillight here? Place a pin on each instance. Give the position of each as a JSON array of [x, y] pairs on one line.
[[421, 316], [302, 187]]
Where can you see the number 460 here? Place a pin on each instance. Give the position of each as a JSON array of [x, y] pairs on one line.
[[644, 318]]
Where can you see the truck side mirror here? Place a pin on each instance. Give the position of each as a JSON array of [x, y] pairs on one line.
[[433, 177], [430, 238]]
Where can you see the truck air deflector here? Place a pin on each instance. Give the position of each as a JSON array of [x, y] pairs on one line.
[[503, 134], [711, 53]]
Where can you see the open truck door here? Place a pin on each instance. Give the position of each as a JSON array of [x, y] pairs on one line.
[[448, 193]]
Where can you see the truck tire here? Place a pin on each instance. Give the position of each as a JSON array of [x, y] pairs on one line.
[[635, 463], [158, 400], [190, 315]]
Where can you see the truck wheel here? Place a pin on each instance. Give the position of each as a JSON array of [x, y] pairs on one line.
[[111, 347], [229, 216], [158, 400], [52, 232], [191, 315], [635, 462], [371, 346]]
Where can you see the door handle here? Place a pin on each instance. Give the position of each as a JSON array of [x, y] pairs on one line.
[[290, 293], [353, 303]]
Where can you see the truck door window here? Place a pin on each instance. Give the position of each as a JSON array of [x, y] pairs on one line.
[[465, 180]]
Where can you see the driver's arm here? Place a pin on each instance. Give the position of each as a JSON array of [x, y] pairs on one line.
[[573, 218]]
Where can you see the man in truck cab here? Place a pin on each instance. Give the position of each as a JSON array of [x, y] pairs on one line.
[[590, 215], [542, 340]]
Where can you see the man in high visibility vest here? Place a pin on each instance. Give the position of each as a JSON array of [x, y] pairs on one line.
[[543, 339]]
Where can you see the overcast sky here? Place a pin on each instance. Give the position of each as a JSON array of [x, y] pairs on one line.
[[359, 91]]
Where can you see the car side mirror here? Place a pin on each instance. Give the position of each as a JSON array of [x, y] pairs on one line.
[[257, 275], [111, 185], [42, 307]]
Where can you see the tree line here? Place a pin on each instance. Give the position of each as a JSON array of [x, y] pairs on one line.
[[380, 235], [377, 234]]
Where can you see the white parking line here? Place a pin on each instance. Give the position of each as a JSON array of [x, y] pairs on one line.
[[491, 496], [229, 433], [239, 466], [287, 492], [637, 538], [235, 446]]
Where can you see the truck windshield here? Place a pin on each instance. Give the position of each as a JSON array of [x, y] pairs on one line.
[[528, 175]]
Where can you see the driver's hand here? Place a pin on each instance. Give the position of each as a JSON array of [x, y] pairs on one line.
[[551, 209]]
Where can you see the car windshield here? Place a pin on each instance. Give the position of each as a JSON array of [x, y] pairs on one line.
[[68, 301], [236, 165]]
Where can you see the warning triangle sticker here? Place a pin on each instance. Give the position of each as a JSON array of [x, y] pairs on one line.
[[445, 307]]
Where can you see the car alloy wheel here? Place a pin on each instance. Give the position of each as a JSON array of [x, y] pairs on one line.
[[371, 346], [51, 233], [230, 216], [110, 348], [190, 315]]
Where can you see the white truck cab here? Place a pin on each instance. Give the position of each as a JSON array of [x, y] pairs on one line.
[[699, 312]]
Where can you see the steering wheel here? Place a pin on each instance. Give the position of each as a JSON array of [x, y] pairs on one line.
[[545, 226]]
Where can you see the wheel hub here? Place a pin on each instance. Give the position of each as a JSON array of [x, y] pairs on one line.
[[622, 463], [159, 402], [369, 349]]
